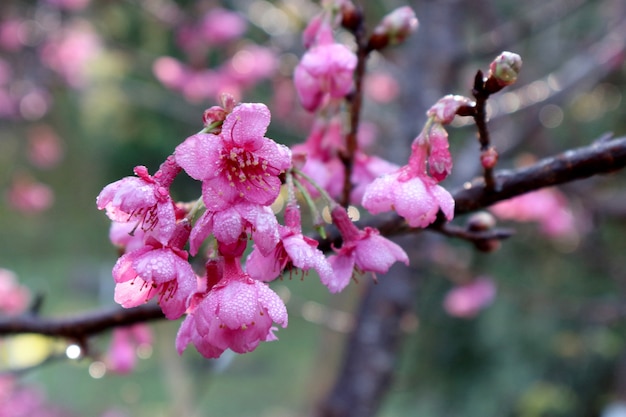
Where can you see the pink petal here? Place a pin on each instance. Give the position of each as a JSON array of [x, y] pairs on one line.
[[246, 125], [199, 155]]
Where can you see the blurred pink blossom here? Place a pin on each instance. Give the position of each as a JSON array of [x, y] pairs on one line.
[[547, 206], [12, 35], [45, 149], [70, 51], [71, 5], [468, 299], [19, 400], [122, 357], [29, 196], [381, 87], [220, 25], [14, 297]]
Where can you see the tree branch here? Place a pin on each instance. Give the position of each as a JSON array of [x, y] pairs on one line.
[[601, 157]]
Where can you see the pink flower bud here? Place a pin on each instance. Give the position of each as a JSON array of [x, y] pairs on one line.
[[489, 158], [444, 110], [465, 301], [394, 28], [505, 68]]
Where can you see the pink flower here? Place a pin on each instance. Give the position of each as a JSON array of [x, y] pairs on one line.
[[468, 299], [239, 164], [220, 25], [144, 199], [157, 269], [321, 150], [227, 226], [366, 169], [14, 297], [29, 196], [325, 71], [410, 191], [547, 206], [293, 250], [444, 110], [237, 313], [121, 357], [364, 249], [70, 52], [45, 149]]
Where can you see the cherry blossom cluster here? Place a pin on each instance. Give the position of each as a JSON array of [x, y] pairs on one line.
[[241, 171], [211, 260]]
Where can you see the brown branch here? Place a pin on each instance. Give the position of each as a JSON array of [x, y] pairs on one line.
[[82, 325], [601, 157]]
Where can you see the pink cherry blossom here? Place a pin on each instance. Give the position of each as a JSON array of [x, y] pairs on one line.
[[321, 152], [410, 192], [45, 149], [237, 313], [239, 164], [127, 236], [220, 25], [468, 299], [444, 110], [325, 71], [366, 169], [365, 250], [143, 199], [121, 357], [70, 52], [156, 270], [14, 297], [548, 207], [227, 226], [28, 196], [293, 250]]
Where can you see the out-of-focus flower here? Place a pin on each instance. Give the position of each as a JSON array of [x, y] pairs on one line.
[[29, 196], [325, 70], [14, 297], [12, 35], [71, 5], [122, 356], [71, 51], [45, 149], [548, 207], [468, 299]]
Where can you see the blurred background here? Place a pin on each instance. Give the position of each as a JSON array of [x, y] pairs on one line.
[[90, 89]]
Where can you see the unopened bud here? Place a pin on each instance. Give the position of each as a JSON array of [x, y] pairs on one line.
[[213, 115], [481, 222], [394, 28], [489, 158], [505, 68], [444, 110]]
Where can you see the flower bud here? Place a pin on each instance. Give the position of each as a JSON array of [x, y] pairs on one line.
[[394, 28], [505, 68], [489, 158], [444, 110]]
